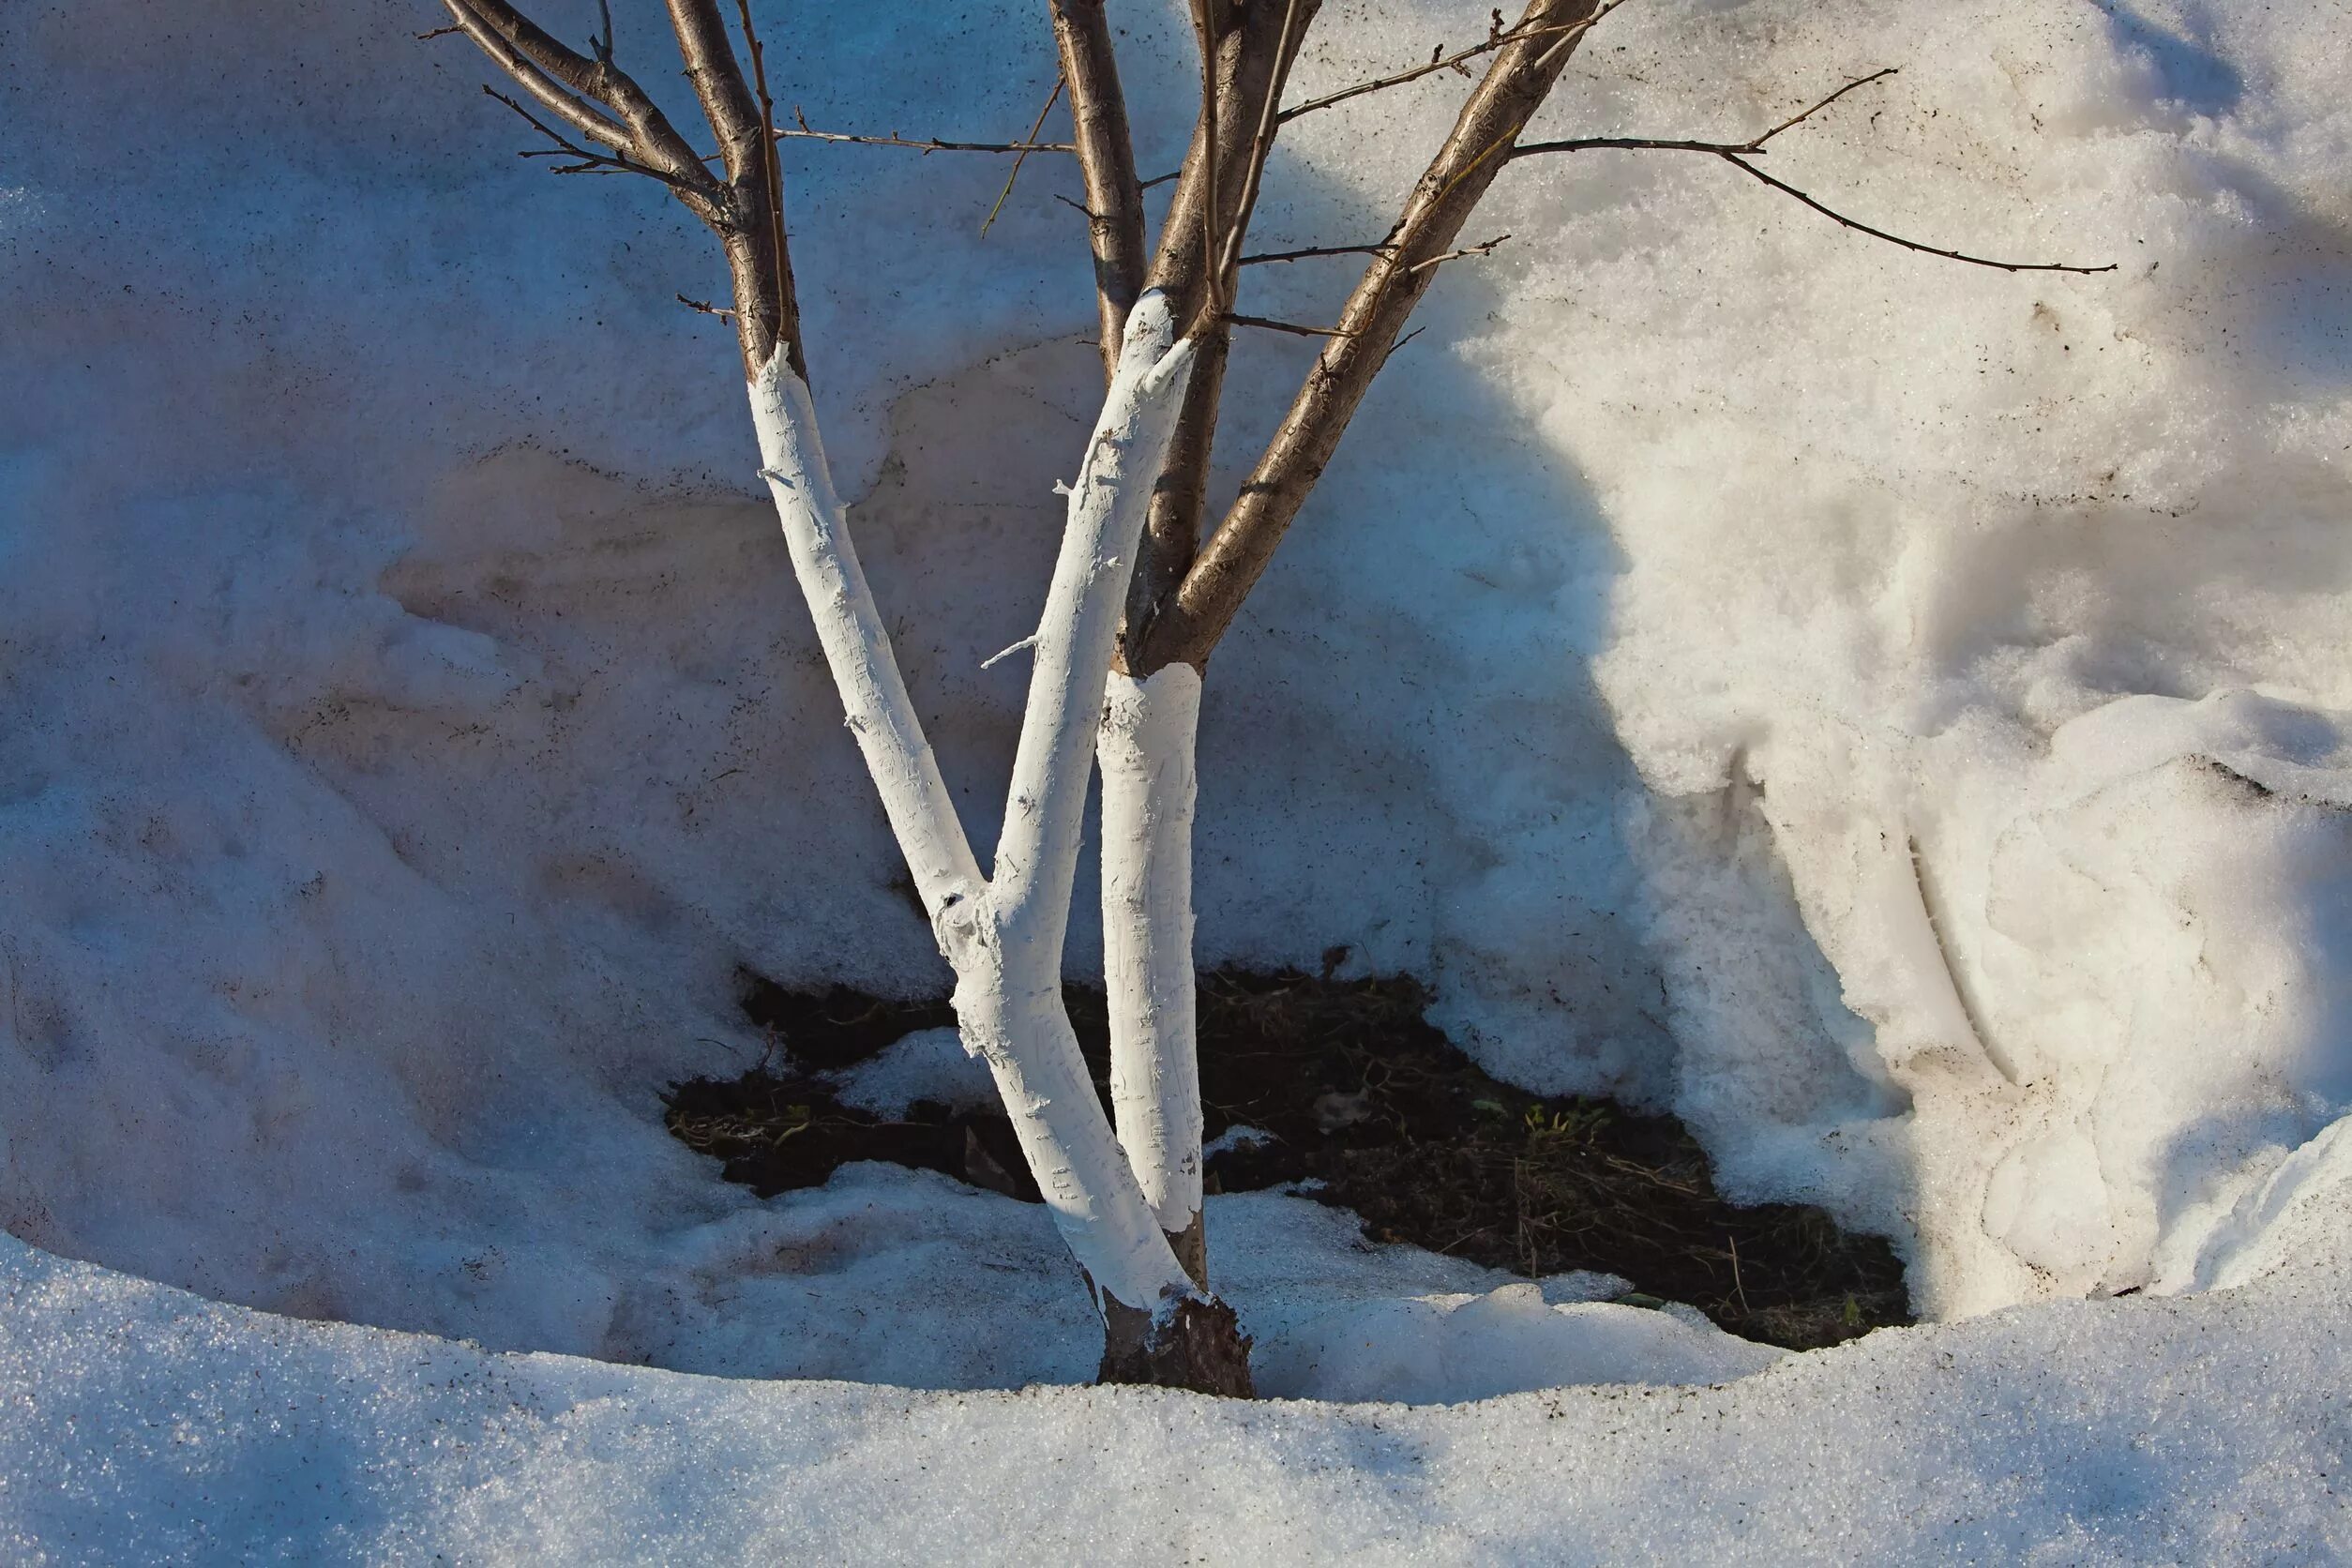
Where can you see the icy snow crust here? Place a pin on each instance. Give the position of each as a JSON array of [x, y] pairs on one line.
[[1897, 716]]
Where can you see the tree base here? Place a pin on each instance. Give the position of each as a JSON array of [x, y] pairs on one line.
[[1201, 1347]]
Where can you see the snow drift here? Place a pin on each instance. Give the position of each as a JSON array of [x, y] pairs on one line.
[[1894, 715]]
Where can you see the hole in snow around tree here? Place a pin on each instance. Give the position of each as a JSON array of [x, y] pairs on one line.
[[1343, 1086]]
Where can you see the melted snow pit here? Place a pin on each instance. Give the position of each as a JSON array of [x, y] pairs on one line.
[[1344, 1086]]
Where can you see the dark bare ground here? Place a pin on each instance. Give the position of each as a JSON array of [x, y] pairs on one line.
[[1361, 1095]]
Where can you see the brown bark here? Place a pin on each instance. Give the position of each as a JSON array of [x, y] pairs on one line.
[[1199, 1346], [1248, 62], [605, 104], [1105, 152], [1186, 626]]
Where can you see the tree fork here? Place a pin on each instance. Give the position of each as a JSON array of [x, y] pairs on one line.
[[1186, 626]]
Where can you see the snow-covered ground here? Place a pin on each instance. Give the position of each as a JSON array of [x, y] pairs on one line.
[[1898, 716]]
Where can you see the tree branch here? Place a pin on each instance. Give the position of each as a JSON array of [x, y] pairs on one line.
[[586, 160], [1249, 49], [594, 98], [800, 131], [1006, 194], [1264, 257], [1526, 66], [1106, 153], [1439, 61], [1294, 328], [1738, 153], [751, 224]]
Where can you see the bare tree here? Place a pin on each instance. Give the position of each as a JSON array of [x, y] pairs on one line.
[[1137, 601]]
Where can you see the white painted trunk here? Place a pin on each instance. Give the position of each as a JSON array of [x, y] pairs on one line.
[[1004, 937], [1150, 731]]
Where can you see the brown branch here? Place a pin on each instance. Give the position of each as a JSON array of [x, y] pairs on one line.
[[1485, 247], [586, 160], [1247, 52], [1304, 252], [1857, 226], [593, 97], [707, 308], [1006, 194], [800, 133], [1106, 153], [552, 74], [1439, 61], [718, 84], [1738, 153], [751, 228], [1652, 144], [1294, 328], [1254, 167], [771, 166], [1524, 68]]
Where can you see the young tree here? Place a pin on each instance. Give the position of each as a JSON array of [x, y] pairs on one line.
[[1137, 602]]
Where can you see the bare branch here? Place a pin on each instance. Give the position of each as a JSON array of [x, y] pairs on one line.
[[707, 308], [436, 33], [1294, 328], [1304, 252], [1105, 152], [1246, 55], [1803, 115], [593, 97], [586, 160], [1528, 62], [719, 85], [1485, 247], [566, 94], [1754, 173], [1725, 149], [800, 133], [1004, 195], [1254, 169], [1738, 153], [771, 169], [1438, 61]]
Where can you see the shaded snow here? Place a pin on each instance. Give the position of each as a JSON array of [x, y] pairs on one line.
[[1895, 716], [148, 1424]]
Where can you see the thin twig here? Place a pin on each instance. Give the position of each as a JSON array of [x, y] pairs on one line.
[[1653, 143], [1004, 195], [926, 145], [1486, 248], [1261, 149], [1754, 173], [1300, 255], [1400, 343], [1738, 153], [1292, 327], [1436, 63], [436, 33], [709, 310], [586, 160]]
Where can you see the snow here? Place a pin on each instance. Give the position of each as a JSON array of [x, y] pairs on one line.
[[148, 1424], [1895, 716]]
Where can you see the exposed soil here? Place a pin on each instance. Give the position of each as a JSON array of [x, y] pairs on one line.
[[1362, 1096]]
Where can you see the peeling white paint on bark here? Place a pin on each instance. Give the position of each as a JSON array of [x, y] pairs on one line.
[[1003, 936], [1150, 732]]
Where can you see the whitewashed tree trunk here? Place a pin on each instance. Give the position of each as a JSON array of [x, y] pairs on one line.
[[1150, 731], [1004, 935]]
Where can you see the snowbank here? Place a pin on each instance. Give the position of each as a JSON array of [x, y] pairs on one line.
[[1894, 715], [150, 1425]]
